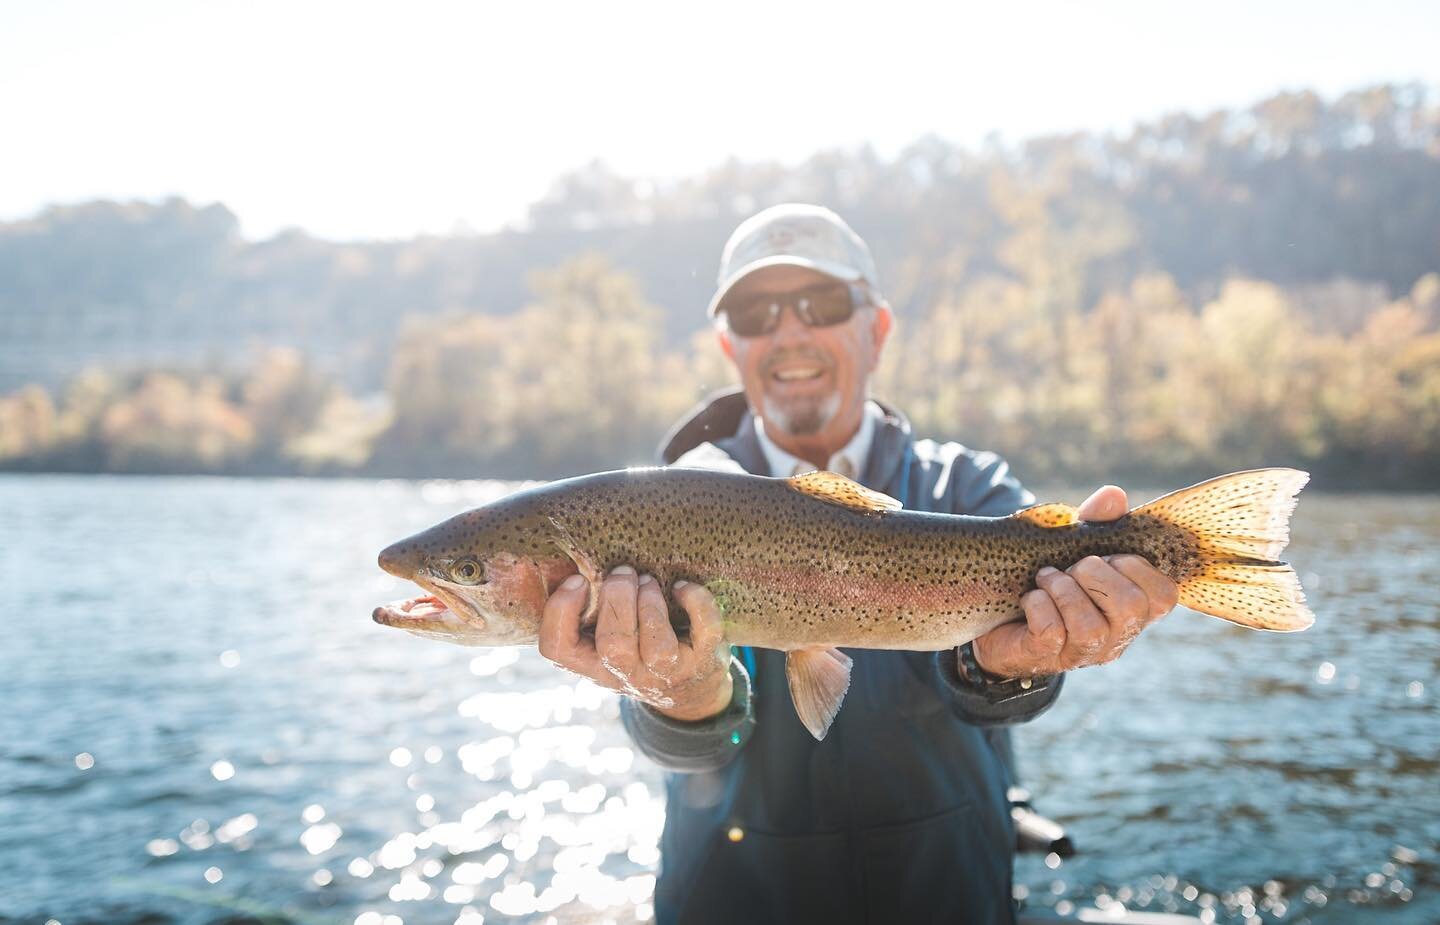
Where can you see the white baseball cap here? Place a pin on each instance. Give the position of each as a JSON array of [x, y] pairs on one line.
[[795, 235]]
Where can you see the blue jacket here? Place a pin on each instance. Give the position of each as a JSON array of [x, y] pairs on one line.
[[900, 814]]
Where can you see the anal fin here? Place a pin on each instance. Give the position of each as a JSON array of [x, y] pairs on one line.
[[818, 680]]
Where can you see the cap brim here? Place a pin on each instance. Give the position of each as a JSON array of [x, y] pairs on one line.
[[837, 270]]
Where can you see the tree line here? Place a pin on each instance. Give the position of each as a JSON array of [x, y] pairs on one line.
[[1243, 287], [1143, 383], [1295, 189]]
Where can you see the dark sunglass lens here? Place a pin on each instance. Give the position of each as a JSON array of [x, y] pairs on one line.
[[750, 317], [830, 305]]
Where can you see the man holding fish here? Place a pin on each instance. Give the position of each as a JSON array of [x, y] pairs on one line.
[[905, 575], [900, 812]]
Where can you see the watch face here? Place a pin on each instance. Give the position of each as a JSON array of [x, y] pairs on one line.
[[970, 671]]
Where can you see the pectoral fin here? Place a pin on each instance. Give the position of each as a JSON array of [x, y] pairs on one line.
[[818, 680]]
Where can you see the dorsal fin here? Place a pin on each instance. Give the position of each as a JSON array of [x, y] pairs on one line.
[[1054, 514], [837, 489]]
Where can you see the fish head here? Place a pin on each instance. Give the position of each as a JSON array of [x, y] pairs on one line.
[[487, 576]]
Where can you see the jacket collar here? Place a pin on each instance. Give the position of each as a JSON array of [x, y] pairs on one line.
[[725, 420]]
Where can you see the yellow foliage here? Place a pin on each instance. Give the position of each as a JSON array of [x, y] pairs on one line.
[[1142, 380], [28, 423], [578, 379], [342, 437], [168, 421], [282, 397]]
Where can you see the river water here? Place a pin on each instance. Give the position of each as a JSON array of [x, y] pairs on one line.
[[201, 724]]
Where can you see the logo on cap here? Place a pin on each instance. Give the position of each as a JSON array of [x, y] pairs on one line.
[[781, 238], [799, 235]]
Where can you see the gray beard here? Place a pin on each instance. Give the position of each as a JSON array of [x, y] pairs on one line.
[[806, 418]]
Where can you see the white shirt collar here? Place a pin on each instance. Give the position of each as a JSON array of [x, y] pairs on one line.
[[849, 460]]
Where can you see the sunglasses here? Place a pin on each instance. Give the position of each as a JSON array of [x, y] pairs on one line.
[[818, 306]]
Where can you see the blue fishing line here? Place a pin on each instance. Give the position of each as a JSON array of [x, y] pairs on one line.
[[747, 658]]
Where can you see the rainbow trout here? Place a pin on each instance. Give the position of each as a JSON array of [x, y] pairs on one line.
[[815, 562]]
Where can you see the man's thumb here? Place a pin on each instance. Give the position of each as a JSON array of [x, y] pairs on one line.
[[1107, 503]]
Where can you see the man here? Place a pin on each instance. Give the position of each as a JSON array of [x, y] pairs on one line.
[[900, 813]]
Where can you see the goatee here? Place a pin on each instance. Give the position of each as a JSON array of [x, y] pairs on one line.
[[802, 418]]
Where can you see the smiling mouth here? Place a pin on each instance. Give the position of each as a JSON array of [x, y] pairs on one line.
[[797, 373]]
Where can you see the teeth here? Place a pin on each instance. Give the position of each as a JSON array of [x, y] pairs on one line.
[[805, 372]]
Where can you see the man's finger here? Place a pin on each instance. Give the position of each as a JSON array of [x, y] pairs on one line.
[[1123, 603], [1028, 648], [707, 626], [1119, 599], [560, 638], [998, 651], [1086, 629], [1107, 503], [617, 633], [1045, 634], [659, 649], [1161, 592]]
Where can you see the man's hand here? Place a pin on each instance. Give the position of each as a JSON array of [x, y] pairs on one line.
[[1085, 615], [635, 650]]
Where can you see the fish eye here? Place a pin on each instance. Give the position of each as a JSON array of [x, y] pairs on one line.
[[467, 572]]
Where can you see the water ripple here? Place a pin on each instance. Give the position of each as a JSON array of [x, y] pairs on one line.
[[206, 728]]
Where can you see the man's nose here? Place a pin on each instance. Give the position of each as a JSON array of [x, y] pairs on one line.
[[789, 326]]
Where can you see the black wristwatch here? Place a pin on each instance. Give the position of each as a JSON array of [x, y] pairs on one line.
[[970, 671], [977, 678]]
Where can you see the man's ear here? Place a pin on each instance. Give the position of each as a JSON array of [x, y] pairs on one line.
[[880, 327], [722, 336]]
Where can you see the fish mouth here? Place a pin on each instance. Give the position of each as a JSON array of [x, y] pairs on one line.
[[436, 614], [421, 609]]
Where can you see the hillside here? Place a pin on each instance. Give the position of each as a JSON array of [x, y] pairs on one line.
[[1296, 190]]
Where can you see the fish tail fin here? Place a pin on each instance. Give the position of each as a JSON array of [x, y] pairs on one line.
[[1241, 524]]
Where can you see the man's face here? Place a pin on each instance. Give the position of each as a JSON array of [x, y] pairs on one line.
[[808, 383]]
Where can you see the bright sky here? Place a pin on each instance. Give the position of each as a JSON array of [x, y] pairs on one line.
[[357, 120]]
